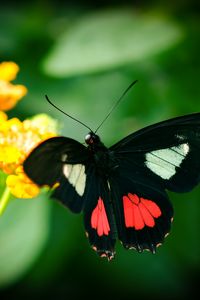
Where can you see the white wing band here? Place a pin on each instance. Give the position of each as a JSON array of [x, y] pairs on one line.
[[163, 162], [76, 176]]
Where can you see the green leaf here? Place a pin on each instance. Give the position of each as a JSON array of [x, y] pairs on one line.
[[23, 234], [109, 39]]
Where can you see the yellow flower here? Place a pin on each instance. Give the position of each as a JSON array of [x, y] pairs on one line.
[[9, 94], [21, 186], [17, 139]]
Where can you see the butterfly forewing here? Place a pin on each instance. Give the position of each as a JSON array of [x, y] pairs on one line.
[[168, 150], [60, 162]]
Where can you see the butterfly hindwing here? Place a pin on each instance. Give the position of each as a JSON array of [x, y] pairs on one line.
[[98, 217], [168, 150], [60, 162], [142, 209]]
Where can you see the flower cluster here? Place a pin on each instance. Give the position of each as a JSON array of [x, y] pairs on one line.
[[18, 138]]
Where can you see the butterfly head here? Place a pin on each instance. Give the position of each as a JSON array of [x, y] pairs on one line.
[[91, 138]]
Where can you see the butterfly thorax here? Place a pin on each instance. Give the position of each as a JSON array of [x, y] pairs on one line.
[[101, 156]]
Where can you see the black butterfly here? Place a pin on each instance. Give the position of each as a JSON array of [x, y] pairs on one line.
[[122, 189]]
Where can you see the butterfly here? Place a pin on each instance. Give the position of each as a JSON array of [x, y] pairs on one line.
[[121, 190]]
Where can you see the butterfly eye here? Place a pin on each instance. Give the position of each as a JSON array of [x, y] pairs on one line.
[[91, 138]]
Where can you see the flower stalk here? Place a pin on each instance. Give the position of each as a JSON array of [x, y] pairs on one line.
[[4, 200]]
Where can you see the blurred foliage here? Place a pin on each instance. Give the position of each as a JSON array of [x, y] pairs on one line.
[[108, 39], [23, 234], [83, 55]]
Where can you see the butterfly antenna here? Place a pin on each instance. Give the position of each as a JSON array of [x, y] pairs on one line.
[[116, 104], [67, 114]]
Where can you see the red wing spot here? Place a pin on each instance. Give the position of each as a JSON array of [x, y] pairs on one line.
[[134, 198], [152, 207], [139, 223], [139, 212], [128, 212], [99, 220], [147, 217]]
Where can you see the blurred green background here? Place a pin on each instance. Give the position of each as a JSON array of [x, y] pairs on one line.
[[83, 54]]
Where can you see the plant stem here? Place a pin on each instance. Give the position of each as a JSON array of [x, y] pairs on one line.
[[4, 200]]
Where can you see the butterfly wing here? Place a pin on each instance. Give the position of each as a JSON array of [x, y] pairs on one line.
[[66, 162], [98, 216], [168, 151], [142, 210], [63, 162], [158, 157]]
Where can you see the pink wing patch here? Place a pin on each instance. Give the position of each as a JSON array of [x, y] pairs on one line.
[[99, 220], [140, 212]]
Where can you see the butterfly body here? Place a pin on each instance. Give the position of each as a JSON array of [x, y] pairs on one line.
[[122, 189], [103, 159]]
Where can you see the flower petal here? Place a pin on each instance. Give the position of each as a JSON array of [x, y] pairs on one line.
[[10, 94], [3, 116], [21, 186], [9, 154], [8, 71]]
